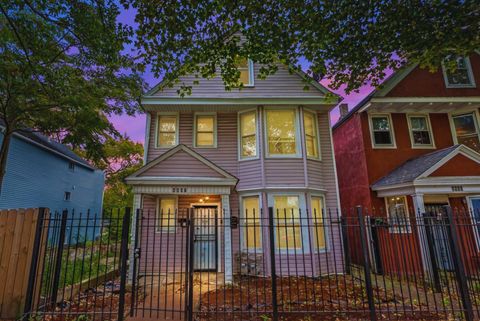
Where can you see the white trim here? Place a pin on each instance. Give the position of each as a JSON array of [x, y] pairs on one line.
[[317, 129], [182, 190], [196, 114], [429, 129], [475, 221], [243, 246], [168, 229], [298, 147], [473, 99], [146, 144], [332, 152], [469, 72], [239, 134], [476, 120], [253, 101], [281, 188], [177, 121], [393, 144], [460, 150], [194, 181], [251, 74], [394, 80]]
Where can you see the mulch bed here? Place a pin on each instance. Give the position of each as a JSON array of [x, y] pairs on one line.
[[301, 298]]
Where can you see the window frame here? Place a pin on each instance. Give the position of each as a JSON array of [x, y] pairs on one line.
[[242, 226], [407, 229], [470, 75], [65, 194], [215, 129], [429, 129], [171, 229], [325, 228], [298, 142], [251, 76], [239, 134], [476, 119], [305, 248], [157, 123], [317, 130], [393, 144]]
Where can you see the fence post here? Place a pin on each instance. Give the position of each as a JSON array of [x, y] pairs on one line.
[[32, 276], [272, 263], [59, 256], [123, 263], [346, 247], [191, 254], [459, 266], [366, 264], [135, 256]]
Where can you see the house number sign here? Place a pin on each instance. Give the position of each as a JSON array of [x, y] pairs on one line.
[[179, 190]]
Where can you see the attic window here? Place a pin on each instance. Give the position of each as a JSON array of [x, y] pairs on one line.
[[461, 76], [67, 196], [71, 166], [245, 66]]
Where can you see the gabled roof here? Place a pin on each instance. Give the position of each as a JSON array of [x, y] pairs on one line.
[[222, 177], [50, 145], [423, 166]]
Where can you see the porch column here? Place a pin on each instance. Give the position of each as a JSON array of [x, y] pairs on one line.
[[228, 257], [422, 233], [137, 203]]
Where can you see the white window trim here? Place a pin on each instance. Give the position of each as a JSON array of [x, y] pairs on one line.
[[239, 134], [407, 229], [476, 119], [305, 249], [251, 76], [393, 145], [325, 228], [177, 117], [242, 240], [171, 229], [298, 142], [429, 129], [315, 117], [470, 75], [214, 129], [472, 217]]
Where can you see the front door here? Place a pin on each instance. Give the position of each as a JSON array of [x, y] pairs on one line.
[[205, 250]]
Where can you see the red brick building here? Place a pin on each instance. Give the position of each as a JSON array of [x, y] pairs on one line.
[[409, 148]]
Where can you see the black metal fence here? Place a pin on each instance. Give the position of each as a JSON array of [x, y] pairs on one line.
[[202, 264], [79, 266]]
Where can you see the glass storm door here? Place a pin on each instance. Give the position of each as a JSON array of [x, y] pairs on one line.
[[205, 239]]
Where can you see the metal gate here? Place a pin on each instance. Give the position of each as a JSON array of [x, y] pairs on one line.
[[439, 236]]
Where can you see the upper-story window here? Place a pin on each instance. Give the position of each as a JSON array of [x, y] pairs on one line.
[[281, 132], [461, 76], [311, 134], [248, 134], [466, 130], [205, 130], [167, 130], [420, 131], [245, 66], [71, 166], [381, 131]]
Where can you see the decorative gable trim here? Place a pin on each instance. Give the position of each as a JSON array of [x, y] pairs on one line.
[[460, 150], [394, 80]]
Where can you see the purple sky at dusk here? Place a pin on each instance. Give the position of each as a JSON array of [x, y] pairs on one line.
[[134, 127]]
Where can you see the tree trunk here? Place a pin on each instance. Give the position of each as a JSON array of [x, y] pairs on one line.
[[4, 156]]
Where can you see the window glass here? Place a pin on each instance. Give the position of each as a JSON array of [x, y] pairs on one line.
[[248, 133], [397, 214], [205, 136], [466, 130], [318, 223], [167, 213], [167, 130], [287, 215], [381, 130], [461, 76], [311, 134], [244, 68], [281, 132], [420, 130], [252, 230]]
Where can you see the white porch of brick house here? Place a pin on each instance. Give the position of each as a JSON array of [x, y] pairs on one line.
[[193, 190]]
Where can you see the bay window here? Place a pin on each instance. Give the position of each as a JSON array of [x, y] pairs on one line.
[[167, 135], [281, 132], [311, 134], [287, 222], [317, 206], [466, 130], [252, 233], [248, 134], [205, 130]]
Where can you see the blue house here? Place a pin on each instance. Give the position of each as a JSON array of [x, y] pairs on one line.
[[44, 173]]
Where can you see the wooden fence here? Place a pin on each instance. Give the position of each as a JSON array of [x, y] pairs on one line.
[[17, 234]]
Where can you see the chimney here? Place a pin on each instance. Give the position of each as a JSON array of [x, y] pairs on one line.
[[343, 110]]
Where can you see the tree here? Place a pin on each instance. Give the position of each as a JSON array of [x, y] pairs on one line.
[[350, 42], [63, 71]]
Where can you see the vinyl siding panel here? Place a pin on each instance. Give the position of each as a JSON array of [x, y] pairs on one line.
[[282, 83], [250, 174], [284, 172]]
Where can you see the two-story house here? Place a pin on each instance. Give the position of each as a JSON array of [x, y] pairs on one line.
[[409, 148], [236, 153]]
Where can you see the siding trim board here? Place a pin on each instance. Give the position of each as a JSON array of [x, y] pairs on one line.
[[158, 100]]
